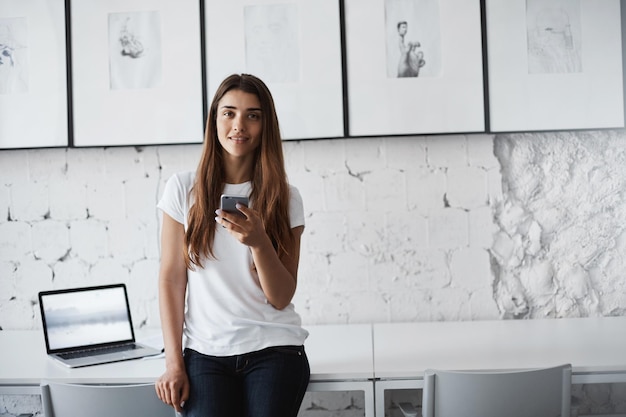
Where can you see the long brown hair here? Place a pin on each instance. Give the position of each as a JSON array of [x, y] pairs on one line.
[[270, 190]]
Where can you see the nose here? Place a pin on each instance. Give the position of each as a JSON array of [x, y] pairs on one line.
[[238, 123]]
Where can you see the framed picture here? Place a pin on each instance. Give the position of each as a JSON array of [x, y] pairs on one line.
[[293, 46], [33, 74], [554, 64], [414, 66], [136, 72]]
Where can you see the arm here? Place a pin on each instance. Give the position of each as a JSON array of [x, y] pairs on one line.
[[277, 275], [173, 386]]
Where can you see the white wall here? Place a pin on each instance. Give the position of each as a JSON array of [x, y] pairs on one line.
[[398, 229]]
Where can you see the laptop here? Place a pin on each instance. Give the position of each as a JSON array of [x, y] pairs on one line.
[[90, 326]]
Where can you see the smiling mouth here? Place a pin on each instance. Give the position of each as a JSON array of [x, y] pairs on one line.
[[238, 139]]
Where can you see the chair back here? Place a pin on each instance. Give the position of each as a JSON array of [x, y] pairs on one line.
[[72, 400], [525, 393]]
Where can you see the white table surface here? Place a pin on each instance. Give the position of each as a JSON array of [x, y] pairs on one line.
[[595, 347], [336, 353]]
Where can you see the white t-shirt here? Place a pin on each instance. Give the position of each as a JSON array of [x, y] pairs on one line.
[[227, 312]]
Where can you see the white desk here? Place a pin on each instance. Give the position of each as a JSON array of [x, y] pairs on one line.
[[340, 356], [595, 347]]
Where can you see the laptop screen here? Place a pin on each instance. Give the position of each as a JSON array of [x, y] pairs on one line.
[[82, 317]]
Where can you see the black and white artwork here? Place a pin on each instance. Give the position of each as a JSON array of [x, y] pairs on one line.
[[271, 36], [414, 67], [135, 50], [294, 46], [554, 36], [554, 65], [13, 56], [413, 33], [33, 74], [136, 72]]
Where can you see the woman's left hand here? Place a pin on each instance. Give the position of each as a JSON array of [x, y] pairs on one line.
[[246, 226]]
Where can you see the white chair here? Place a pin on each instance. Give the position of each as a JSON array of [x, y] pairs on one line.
[[73, 400], [526, 393]]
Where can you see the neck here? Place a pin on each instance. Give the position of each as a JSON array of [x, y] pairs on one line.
[[238, 170]]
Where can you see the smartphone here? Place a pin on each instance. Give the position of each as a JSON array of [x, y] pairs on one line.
[[229, 203]]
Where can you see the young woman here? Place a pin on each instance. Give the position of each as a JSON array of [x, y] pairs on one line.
[[227, 280]]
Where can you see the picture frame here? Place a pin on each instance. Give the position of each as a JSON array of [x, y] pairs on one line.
[[33, 74], [425, 77], [554, 65], [136, 72], [294, 47]]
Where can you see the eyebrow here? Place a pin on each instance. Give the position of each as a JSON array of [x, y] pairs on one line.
[[226, 106]]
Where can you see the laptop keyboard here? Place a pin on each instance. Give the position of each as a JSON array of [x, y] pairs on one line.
[[96, 351]]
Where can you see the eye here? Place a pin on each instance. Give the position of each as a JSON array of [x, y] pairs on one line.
[[227, 113], [254, 116]]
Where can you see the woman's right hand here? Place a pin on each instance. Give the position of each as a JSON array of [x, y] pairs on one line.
[[173, 388]]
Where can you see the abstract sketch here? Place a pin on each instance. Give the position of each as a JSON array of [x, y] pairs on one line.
[[271, 37], [554, 36], [13, 55], [413, 38], [135, 50]]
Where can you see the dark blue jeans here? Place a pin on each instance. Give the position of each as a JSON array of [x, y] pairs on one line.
[[267, 383]]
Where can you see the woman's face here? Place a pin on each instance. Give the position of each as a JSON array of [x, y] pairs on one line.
[[239, 122]]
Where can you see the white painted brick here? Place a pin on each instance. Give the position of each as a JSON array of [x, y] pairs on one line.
[[494, 185], [144, 280], [348, 272], [47, 165], [29, 276], [15, 241], [126, 241], [313, 272], [108, 271], [178, 158], [324, 157], [366, 307], [482, 227], [7, 281], [140, 198], [449, 304], [70, 273], [329, 307], [29, 201], [68, 199], [364, 155], [483, 305], [467, 187], [343, 192], [406, 230], [17, 314], [85, 165], [446, 151], [385, 190], [14, 167], [293, 153], [421, 269], [448, 228], [326, 232], [106, 200], [409, 306], [480, 151], [426, 189], [88, 239], [125, 163], [471, 269], [51, 240], [366, 233], [4, 202], [405, 152], [311, 187]]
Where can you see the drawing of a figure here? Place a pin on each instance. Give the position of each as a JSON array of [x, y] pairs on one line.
[[553, 32], [413, 38], [135, 50], [271, 37], [411, 60], [13, 56]]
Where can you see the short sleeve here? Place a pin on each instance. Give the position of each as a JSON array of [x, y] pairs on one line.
[[296, 208], [174, 201]]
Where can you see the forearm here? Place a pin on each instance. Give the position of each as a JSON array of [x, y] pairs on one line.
[[277, 282], [172, 306]]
